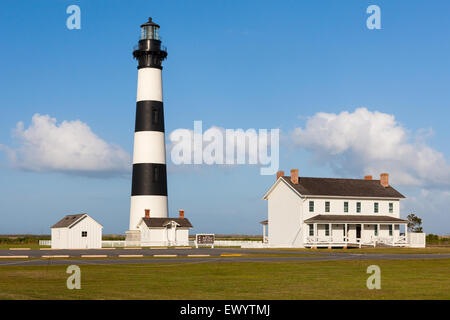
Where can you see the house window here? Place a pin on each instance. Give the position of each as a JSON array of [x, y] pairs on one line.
[[375, 207], [346, 206], [376, 230], [358, 207], [391, 207], [390, 230], [327, 229], [311, 229], [84, 234], [327, 206], [311, 206]]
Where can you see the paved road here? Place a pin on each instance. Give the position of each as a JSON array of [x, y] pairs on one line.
[[202, 255]]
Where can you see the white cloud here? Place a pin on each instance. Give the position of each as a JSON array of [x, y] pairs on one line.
[[219, 146], [366, 142], [432, 206], [69, 147]]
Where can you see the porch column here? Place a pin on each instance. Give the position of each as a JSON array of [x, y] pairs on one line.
[[345, 233], [315, 236], [315, 232], [264, 233], [406, 234], [361, 235], [393, 234], [331, 232]]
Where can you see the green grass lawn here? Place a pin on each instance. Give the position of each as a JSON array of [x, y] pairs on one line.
[[22, 245], [400, 279], [428, 250]]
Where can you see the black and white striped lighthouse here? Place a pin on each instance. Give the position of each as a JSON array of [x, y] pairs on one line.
[[149, 185]]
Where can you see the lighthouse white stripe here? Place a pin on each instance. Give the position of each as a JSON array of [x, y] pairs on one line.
[[149, 85], [156, 204], [149, 147]]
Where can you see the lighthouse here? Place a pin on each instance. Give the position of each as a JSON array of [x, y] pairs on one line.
[[149, 180]]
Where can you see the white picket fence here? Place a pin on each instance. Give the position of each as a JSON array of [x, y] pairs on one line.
[[417, 239], [217, 243], [45, 242], [242, 244], [113, 243]]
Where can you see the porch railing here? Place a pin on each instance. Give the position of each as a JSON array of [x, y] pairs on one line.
[[395, 241], [342, 240]]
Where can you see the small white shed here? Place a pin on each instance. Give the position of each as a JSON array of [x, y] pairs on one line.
[[164, 231], [77, 231]]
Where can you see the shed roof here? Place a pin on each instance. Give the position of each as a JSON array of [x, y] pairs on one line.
[[162, 222], [72, 219], [69, 220]]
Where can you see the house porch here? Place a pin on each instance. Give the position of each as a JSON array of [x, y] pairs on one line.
[[341, 231]]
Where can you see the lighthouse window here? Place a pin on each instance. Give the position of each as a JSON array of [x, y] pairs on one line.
[[156, 174], [150, 32], [155, 116]]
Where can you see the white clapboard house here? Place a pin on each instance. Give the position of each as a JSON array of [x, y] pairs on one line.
[[76, 231], [328, 212], [164, 231]]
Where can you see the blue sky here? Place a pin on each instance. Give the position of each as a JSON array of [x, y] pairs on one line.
[[231, 64]]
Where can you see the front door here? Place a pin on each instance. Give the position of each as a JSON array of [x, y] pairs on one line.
[[358, 231]]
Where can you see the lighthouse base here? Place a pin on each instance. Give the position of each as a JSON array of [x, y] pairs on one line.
[[133, 238]]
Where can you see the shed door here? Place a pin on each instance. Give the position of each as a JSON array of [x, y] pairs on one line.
[[84, 239]]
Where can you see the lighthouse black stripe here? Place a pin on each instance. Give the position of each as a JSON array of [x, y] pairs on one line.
[[149, 116], [149, 179]]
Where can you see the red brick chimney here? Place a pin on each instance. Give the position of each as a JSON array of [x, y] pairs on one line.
[[147, 213], [294, 176], [384, 179], [181, 214], [280, 174], [368, 177]]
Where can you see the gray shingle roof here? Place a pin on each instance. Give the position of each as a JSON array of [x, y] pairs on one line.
[[352, 218], [161, 222], [68, 220], [343, 187]]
